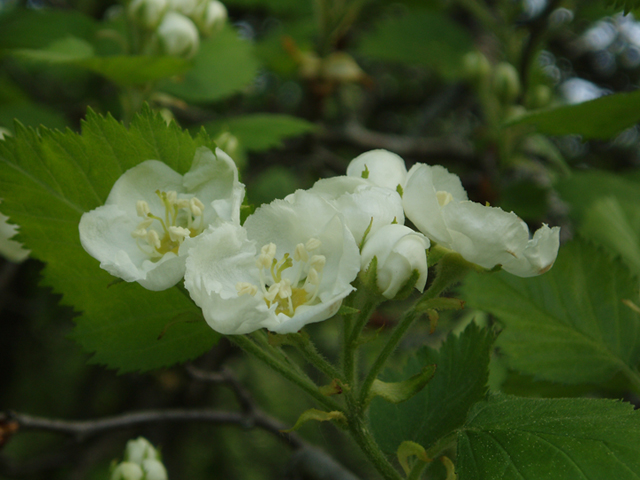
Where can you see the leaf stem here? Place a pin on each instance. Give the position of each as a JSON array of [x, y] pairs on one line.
[[369, 306], [311, 355]]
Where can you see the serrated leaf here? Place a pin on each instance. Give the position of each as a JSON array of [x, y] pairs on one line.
[[224, 65], [602, 118], [441, 407], [605, 206], [568, 325], [260, 132], [48, 179], [509, 438], [423, 38]]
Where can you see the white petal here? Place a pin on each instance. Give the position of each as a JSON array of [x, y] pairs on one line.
[[539, 254], [213, 179], [386, 169]]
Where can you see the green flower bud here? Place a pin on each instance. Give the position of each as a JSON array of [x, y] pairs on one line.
[[475, 67], [506, 82], [178, 35]]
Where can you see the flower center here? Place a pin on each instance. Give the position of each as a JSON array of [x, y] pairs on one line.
[[299, 288], [182, 218]]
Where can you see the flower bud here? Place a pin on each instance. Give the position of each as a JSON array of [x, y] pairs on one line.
[[476, 67], [380, 167], [178, 35], [147, 13], [506, 82], [399, 251], [188, 8], [127, 471], [138, 450], [211, 18], [154, 470]]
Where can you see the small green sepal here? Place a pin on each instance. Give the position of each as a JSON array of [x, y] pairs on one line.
[[346, 310], [409, 286], [366, 232], [319, 416], [400, 391], [410, 449], [336, 387], [369, 276]]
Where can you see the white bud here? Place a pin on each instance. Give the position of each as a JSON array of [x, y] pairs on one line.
[[127, 471], [139, 449], [154, 470], [178, 35], [187, 7], [212, 18], [147, 13], [399, 251], [380, 167]]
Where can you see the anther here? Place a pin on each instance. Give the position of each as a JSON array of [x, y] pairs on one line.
[[142, 208]]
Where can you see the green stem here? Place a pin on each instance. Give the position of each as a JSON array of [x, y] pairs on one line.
[[286, 371], [416, 471], [311, 355], [441, 445], [351, 343], [397, 334], [371, 449], [450, 269]]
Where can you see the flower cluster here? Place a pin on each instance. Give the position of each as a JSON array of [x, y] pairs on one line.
[[294, 260], [176, 25]]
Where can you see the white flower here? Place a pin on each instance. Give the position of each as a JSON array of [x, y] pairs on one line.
[[147, 13], [127, 471], [10, 249], [360, 202], [435, 201], [291, 264], [187, 7], [143, 231], [178, 35], [380, 167], [399, 251]]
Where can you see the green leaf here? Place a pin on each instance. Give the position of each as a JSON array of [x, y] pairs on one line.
[[441, 407], [36, 29], [509, 438], [224, 65], [605, 207], [261, 132], [601, 118], [48, 180], [424, 38], [570, 324], [121, 69]]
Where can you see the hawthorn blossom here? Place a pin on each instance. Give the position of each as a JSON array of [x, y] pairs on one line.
[[152, 214], [399, 251], [291, 264], [437, 204], [365, 207]]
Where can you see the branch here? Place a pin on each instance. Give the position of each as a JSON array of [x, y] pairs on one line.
[[445, 147], [84, 429]]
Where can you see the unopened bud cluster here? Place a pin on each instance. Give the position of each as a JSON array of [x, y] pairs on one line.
[[177, 25], [141, 462]]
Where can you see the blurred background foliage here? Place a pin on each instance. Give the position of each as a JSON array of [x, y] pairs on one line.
[[293, 90]]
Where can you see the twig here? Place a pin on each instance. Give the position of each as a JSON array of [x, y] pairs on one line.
[[445, 147], [225, 376], [84, 429]]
